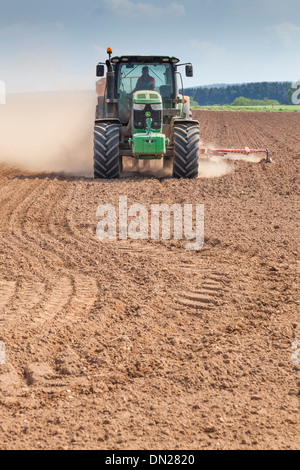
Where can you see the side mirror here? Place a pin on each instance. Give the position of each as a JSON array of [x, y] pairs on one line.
[[189, 70], [100, 70]]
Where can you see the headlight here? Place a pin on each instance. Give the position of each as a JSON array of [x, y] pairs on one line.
[[156, 107], [139, 107]]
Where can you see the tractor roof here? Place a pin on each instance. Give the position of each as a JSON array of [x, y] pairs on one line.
[[145, 59]]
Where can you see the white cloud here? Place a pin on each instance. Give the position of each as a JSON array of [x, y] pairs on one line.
[[207, 48], [23, 30], [287, 33], [10, 30], [175, 9], [128, 8], [214, 63]]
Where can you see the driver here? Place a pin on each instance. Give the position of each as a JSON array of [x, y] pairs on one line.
[[145, 82]]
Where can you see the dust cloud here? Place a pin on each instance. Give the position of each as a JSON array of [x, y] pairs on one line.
[[251, 158], [213, 167], [49, 132], [147, 168]]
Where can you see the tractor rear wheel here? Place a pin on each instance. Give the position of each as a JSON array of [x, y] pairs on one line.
[[186, 151], [107, 162]]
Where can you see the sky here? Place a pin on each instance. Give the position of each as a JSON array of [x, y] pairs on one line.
[[56, 44]]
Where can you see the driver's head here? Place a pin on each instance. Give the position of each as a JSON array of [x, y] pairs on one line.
[[145, 70]]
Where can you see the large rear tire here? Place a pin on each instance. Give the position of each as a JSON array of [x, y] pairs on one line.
[[186, 150], [107, 162]]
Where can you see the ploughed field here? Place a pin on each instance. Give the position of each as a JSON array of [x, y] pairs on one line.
[[141, 344]]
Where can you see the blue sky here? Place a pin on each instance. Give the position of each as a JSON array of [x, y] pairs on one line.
[[49, 45]]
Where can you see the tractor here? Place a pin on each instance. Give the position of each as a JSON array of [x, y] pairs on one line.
[[144, 115]]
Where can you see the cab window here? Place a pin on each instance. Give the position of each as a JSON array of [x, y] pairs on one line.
[[131, 78]]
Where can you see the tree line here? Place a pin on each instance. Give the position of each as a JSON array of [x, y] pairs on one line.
[[204, 96]]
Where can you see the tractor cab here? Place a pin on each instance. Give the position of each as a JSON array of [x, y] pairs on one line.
[[157, 74]]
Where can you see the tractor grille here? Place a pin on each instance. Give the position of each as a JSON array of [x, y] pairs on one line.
[[140, 118]]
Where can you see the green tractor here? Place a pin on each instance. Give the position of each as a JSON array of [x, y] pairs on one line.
[[142, 115]]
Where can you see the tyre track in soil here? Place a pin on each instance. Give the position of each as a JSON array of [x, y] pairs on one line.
[[30, 244], [141, 344], [13, 216], [47, 299], [82, 290], [11, 242], [206, 296], [58, 301]]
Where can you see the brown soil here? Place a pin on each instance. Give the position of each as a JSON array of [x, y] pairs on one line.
[[142, 344]]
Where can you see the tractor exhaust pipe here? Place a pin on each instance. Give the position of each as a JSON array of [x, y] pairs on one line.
[[110, 84]]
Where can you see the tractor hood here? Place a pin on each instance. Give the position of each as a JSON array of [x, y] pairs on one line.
[[147, 97]]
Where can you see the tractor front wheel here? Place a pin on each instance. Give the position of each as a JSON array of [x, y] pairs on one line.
[[186, 150]]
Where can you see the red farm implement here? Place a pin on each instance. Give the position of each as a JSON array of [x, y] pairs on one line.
[[227, 152]]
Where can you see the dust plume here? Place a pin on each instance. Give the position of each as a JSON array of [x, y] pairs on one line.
[[251, 158], [49, 132], [216, 166], [208, 168], [147, 168], [213, 167]]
